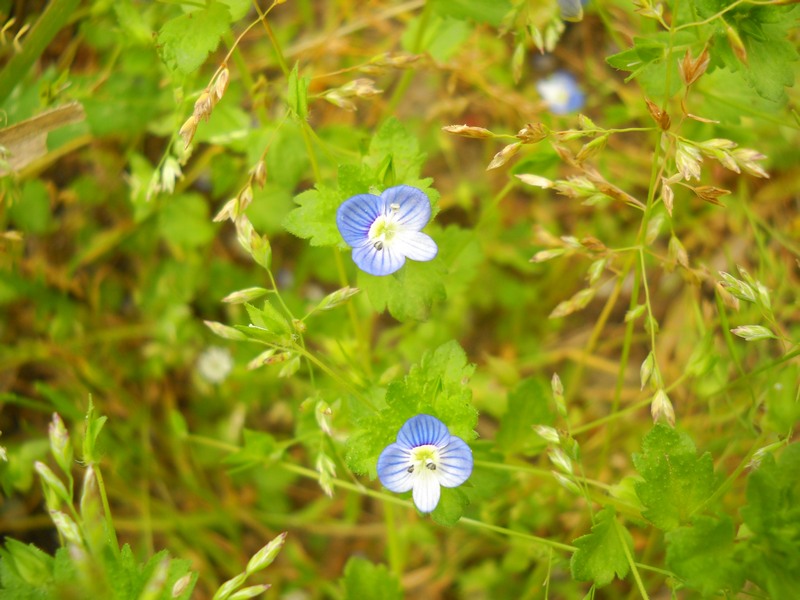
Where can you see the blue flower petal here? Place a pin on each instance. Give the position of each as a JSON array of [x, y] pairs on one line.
[[426, 491], [571, 10], [393, 466], [422, 430], [561, 93], [415, 245], [356, 215], [455, 463], [377, 262], [414, 210]]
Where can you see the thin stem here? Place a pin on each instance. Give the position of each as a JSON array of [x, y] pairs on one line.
[[392, 543], [110, 530], [631, 562], [408, 75]]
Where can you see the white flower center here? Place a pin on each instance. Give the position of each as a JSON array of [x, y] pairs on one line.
[[554, 92], [384, 228], [424, 457]]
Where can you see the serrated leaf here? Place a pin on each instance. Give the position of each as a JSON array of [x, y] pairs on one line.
[[407, 294], [601, 554], [703, 556], [773, 515], [676, 481], [186, 41], [394, 141], [315, 217], [438, 386]]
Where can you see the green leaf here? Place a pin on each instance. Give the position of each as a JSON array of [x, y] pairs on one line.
[[186, 41], [676, 482], [268, 320], [184, 221], [528, 405], [764, 33], [650, 59], [31, 213], [451, 507], [482, 11], [315, 217], [366, 581], [93, 426], [772, 515], [436, 386], [393, 141], [24, 566], [703, 556], [441, 37], [602, 553], [297, 94], [237, 8], [409, 293]]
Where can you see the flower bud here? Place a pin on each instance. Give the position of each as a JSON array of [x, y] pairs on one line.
[[504, 156], [188, 130], [467, 131], [558, 394], [687, 159], [264, 557], [226, 589], [260, 174], [661, 407], [245, 295], [181, 585], [60, 444], [203, 106], [221, 84], [336, 298], [534, 180], [547, 433], [752, 333], [250, 592], [67, 527]]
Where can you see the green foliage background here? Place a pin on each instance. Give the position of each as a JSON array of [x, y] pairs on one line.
[[645, 250]]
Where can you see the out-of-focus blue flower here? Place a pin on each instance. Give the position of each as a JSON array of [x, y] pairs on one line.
[[571, 10], [424, 458], [561, 93], [385, 230]]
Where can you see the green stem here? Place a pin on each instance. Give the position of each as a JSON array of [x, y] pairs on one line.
[[392, 543], [338, 378], [112, 532], [629, 558], [361, 338], [275, 45]]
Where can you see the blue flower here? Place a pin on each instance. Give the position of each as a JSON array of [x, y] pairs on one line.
[[385, 230], [561, 93], [424, 457], [571, 10]]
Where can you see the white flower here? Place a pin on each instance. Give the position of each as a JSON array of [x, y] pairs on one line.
[[215, 364]]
